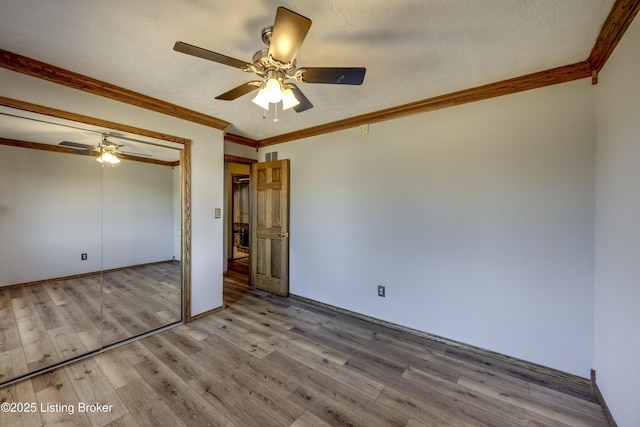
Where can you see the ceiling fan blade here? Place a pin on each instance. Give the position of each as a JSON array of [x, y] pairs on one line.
[[134, 154], [289, 31], [211, 56], [76, 145], [334, 75], [237, 92], [304, 104]]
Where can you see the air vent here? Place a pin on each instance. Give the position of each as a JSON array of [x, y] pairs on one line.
[[269, 157]]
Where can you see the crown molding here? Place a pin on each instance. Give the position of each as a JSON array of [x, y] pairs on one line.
[[614, 27], [622, 14], [554, 76], [237, 159], [242, 140], [31, 67]]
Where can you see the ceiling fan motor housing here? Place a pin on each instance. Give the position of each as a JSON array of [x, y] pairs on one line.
[[266, 35], [264, 65]]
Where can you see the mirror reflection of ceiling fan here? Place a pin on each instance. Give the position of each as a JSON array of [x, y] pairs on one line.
[[108, 151], [276, 65]]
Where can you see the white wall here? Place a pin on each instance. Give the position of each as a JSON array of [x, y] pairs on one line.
[[50, 213], [207, 170], [617, 270], [137, 218], [56, 206], [478, 219], [240, 150]]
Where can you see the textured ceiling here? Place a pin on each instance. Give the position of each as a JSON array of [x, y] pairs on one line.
[[412, 49]]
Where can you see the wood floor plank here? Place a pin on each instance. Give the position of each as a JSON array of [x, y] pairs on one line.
[[226, 397], [568, 402], [186, 403], [280, 330], [67, 344], [332, 369], [116, 368], [12, 364], [60, 404], [425, 411], [533, 374], [483, 406], [536, 410], [46, 308], [173, 358], [240, 335], [147, 407], [315, 383], [277, 379], [183, 338], [78, 319], [38, 349], [21, 392], [250, 388], [307, 419], [125, 421], [274, 361], [328, 410], [93, 388], [9, 333]]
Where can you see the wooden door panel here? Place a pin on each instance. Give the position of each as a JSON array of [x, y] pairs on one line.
[[260, 256], [270, 226], [263, 218], [275, 208], [276, 258]]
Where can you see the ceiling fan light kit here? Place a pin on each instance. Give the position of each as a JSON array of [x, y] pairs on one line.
[[108, 157], [277, 64], [107, 152]]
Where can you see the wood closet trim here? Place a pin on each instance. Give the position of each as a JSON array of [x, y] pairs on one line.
[[614, 27], [185, 187], [31, 67], [540, 79], [61, 114], [67, 150]]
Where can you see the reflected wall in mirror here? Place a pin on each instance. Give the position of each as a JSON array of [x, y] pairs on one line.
[[90, 254]]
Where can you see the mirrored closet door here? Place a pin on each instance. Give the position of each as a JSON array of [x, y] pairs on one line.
[[90, 239]]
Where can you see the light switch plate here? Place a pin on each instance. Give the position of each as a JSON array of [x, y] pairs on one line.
[[217, 213]]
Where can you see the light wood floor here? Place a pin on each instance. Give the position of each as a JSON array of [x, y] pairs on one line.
[[46, 323], [270, 361]]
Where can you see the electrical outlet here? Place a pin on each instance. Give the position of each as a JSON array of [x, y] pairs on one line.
[[83, 257], [381, 291]]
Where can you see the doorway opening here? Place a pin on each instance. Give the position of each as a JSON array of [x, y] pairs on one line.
[[240, 215]]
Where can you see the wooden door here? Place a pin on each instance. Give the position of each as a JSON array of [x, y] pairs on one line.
[[270, 226]]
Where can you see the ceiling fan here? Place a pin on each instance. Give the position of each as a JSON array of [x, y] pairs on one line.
[[107, 150], [276, 65]]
